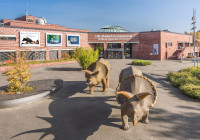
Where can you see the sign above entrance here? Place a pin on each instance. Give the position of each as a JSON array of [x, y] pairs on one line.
[[113, 37]]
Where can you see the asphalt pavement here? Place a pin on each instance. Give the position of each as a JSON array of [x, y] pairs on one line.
[[73, 114]]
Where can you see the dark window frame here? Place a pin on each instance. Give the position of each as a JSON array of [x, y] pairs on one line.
[[169, 44], [8, 37]]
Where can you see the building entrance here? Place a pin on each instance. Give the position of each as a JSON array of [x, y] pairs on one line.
[[114, 54], [101, 49], [127, 50], [114, 51]]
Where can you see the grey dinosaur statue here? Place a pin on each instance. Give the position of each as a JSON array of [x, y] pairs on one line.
[[98, 72], [136, 94]]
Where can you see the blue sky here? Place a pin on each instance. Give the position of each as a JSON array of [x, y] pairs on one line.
[[133, 15]]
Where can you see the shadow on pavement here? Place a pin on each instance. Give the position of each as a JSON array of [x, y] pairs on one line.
[[62, 69], [176, 125], [3, 88], [76, 117]]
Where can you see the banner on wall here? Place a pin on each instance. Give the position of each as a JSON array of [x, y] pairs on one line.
[[155, 49], [73, 40], [53, 39], [29, 39]]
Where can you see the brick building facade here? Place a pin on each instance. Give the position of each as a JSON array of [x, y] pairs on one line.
[[27, 24], [155, 45]]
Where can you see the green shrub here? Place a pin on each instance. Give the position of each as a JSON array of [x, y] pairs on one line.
[[85, 57], [100, 50], [141, 62], [191, 90], [77, 53], [187, 80]]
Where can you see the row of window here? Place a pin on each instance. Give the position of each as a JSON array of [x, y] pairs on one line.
[[36, 55], [179, 44]]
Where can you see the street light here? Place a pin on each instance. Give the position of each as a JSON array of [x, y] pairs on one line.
[[193, 23]]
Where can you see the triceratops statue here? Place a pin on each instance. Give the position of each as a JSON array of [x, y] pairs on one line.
[[136, 93], [98, 72]]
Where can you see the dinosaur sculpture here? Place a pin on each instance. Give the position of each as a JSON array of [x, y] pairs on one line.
[[98, 72], [136, 94]]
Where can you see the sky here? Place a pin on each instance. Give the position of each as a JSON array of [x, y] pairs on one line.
[[133, 15]]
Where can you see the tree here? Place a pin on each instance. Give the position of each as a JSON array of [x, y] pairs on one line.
[[18, 75]]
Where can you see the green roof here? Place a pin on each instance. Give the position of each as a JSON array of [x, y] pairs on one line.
[[112, 28]]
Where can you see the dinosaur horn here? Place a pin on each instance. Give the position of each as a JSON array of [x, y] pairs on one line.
[[126, 94], [95, 73], [143, 95], [87, 71]]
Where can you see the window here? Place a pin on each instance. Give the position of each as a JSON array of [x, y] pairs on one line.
[[34, 55], [186, 44], [5, 55], [114, 45], [53, 54], [8, 37], [71, 52], [169, 43]]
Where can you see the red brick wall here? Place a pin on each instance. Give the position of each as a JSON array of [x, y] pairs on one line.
[[15, 45], [144, 49], [145, 46], [187, 50], [24, 22], [105, 38], [174, 38], [141, 50], [24, 18]]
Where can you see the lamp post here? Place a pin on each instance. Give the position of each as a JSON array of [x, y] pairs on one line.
[[193, 23]]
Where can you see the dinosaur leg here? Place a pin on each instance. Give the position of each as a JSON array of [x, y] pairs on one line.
[[104, 84], [145, 118], [125, 125], [91, 89], [107, 80]]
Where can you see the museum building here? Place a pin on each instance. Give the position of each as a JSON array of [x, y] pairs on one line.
[[45, 41]]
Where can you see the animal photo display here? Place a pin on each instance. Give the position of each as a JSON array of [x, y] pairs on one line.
[[73, 40], [53, 39], [29, 39]]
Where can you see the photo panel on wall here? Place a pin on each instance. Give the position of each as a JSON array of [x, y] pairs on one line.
[[29, 39], [53, 39], [73, 40]]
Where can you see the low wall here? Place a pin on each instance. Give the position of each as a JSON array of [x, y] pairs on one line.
[[4, 68]]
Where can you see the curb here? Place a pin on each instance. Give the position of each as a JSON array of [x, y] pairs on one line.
[[33, 98]]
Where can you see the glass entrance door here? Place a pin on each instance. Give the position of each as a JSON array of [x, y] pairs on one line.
[[127, 50], [114, 54]]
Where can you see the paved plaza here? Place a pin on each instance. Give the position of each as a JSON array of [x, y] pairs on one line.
[[73, 114]]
